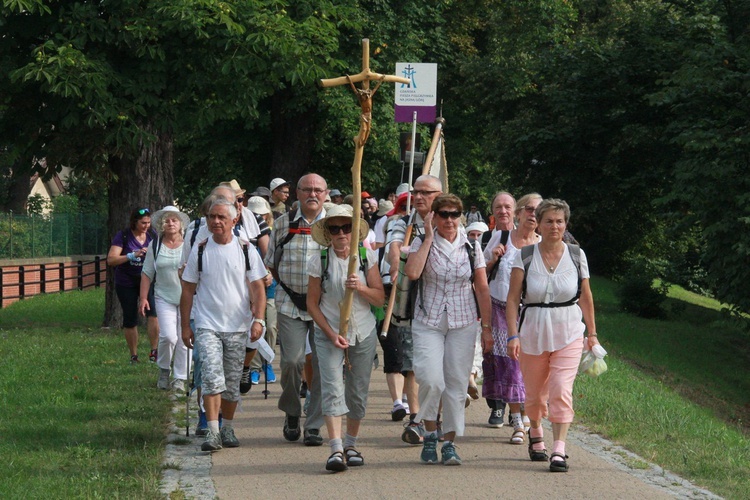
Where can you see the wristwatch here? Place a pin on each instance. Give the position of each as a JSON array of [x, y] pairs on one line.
[[261, 321]]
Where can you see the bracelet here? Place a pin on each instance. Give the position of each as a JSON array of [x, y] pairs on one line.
[[514, 337], [485, 325], [592, 335], [261, 321]]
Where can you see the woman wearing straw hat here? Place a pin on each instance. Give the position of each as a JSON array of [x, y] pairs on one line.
[[344, 392], [161, 266]]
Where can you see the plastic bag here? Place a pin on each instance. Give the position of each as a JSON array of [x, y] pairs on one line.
[[592, 362]]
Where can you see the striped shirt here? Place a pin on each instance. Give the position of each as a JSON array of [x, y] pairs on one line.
[[446, 282], [293, 264]]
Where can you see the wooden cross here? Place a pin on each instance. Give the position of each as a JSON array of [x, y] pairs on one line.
[[364, 96]]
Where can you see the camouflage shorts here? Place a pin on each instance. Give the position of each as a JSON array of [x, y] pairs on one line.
[[407, 348], [221, 355]]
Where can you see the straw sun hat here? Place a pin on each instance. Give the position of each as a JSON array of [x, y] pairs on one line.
[[319, 229]]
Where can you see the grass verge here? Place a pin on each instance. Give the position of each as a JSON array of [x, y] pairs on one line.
[[677, 391], [81, 422]]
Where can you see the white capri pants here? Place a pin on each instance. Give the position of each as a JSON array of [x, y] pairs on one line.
[[171, 346], [442, 362]]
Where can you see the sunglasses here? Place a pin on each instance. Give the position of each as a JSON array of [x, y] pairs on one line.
[[144, 211], [346, 228], [240, 199], [444, 214], [529, 209]]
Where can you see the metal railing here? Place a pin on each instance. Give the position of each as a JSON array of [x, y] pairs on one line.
[[52, 235]]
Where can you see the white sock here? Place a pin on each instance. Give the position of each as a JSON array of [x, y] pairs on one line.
[[350, 441], [213, 426], [226, 423], [336, 445], [396, 403]]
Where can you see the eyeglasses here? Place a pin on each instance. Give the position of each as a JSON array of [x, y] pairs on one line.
[[530, 209], [444, 214], [284, 192], [346, 228], [417, 192], [144, 211], [317, 191]]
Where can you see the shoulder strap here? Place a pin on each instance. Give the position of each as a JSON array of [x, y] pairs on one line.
[[125, 237], [246, 251], [575, 254], [486, 237], [472, 251], [201, 248], [323, 264], [504, 235], [527, 253], [196, 228]]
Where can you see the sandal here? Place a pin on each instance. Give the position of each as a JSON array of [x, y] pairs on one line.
[[537, 455], [518, 437], [336, 463], [353, 457], [558, 465]]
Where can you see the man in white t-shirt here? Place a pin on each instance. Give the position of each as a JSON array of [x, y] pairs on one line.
[[226, 275]]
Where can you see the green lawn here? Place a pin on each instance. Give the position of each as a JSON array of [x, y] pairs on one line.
[[80, 421]]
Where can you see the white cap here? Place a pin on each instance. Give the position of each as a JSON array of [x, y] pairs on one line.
[[477, 226], [402, 188], [277, 182], [258, 205]]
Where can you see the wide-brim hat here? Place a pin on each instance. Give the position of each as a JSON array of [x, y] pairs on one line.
[[277, 182], [158, 217], [258, 205], [319, 229], [400, 202], [262, 191], [384, 206]]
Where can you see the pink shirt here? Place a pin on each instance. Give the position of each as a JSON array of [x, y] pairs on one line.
[[446, 282]]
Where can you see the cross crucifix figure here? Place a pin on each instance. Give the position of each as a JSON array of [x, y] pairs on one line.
[[364, 96]]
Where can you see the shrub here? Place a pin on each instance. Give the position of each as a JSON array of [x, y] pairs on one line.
[[638, 294]]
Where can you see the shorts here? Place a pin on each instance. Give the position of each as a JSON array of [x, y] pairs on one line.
[[221, 356], [407, 349], [128, 297], [393, 359]]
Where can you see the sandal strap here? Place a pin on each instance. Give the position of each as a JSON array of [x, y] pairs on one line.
[[535, 440], [559, 455], [336, 456]]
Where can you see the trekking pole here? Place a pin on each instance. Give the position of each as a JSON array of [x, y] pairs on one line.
[[189, 393], [266, 392]]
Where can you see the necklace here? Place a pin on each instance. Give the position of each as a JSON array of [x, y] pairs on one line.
[[550, 267]]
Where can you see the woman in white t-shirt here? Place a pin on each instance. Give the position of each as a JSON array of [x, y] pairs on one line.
[[549, 340], [345, 361], [162, 269]]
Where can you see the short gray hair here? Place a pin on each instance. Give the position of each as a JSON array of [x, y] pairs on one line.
[[223, 202], [552, 204]]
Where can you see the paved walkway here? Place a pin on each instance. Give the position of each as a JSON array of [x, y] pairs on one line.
[[266, 466]]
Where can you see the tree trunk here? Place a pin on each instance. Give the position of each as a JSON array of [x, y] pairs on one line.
[[19, 188], [145, 181], [292, 138]]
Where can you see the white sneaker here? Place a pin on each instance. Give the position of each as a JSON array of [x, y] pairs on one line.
[[178, 385]]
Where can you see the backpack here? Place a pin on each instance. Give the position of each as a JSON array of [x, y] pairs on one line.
[[503, 240], [379, 312], [196, 228], [245, 250], [527, 254], [416, 285], [299, 299]]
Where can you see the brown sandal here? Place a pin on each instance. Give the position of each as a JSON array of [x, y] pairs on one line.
[[537, 455]]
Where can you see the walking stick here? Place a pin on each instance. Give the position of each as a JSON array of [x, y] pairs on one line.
[[364, 96], [191, 385], [266, 392]]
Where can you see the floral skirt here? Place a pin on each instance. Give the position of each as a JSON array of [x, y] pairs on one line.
[[502, 376]]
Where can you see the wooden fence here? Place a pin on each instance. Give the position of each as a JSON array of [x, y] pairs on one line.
[[19, 280]]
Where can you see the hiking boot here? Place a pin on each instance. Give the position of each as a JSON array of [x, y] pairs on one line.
[[134, 359], [245, 384], [312, 437], [254, 377], [152, 355], [413, 433], [291, 428], [163, 382], [202, 428], [212, 442], [496, 418], [270, 375], [228, 439], [429, 450], [449, 455]]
